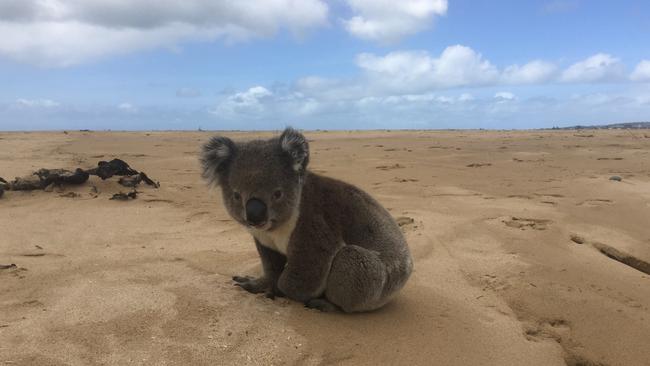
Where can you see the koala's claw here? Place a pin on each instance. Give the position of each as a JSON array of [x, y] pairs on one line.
[[272, 293], [322, 305], [242, 279], [250, 284]]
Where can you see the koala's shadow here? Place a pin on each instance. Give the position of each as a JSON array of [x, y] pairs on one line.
[[404, 326]]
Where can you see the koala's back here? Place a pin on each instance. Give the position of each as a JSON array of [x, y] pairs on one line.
[[353, 215], [374, 261]]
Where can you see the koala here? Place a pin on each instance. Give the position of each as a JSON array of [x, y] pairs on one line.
[[321, 241]]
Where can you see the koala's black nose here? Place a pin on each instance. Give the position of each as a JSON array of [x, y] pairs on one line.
[[255, 211]]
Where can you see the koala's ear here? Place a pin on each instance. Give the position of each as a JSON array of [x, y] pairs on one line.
[[296, 146], [215, 157]]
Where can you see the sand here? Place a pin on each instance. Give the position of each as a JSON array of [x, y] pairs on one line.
[[500, 278]]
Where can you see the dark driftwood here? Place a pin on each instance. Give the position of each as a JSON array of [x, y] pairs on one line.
[[108, 169], [44, 177], [47, 177], [28, 183], [62, 176]]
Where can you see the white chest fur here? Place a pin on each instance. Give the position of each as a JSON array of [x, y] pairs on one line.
[[278, 238]]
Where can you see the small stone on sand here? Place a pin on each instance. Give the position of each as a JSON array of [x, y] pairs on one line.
[[577, 239]]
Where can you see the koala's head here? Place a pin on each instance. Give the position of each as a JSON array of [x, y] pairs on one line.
[[261, 181]]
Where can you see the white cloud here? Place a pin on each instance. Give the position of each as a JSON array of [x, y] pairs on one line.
[[419, 72], [465, 97], [68, 32], [36, 103], [641, 71], [412, 70], [504, 96], [248, 102], [390, 20], [127, 107], [599, 67], [536, 71]]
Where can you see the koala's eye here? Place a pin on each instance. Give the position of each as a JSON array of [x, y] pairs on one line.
[[236, 196], [277, 194]]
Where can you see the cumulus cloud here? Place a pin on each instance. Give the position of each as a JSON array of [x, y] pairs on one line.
[[249, 102], [36, 103], [127, 107], [259, 102], [456, 66], [641, 71], [389, 20], [465, 97], [504, 96], [461, 66], [597, 68], [536, 71], [68, 32]]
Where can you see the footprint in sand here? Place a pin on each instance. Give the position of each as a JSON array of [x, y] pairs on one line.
[[521, 196], [196, 215], [548, 328], [526, 223], [406, 223], [389, 167], [404, 180], [552, 203], [554, 195], [404, 220], [597, 202], [161, 200]]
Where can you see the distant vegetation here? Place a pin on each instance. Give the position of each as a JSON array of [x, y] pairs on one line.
[[614, 126]]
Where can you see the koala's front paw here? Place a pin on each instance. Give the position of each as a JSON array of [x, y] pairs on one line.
[[251, 284]]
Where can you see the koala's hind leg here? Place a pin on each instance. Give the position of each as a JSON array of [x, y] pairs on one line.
[[272, 264], [356, 280]]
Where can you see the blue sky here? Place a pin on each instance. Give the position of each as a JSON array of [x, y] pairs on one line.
[[314, 64]]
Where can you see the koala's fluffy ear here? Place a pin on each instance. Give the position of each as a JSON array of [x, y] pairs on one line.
[[296, 146], [215, 157]]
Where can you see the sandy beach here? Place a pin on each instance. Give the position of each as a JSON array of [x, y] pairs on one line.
[[526, 253]]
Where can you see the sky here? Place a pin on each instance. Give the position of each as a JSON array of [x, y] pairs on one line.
[[316, 64]]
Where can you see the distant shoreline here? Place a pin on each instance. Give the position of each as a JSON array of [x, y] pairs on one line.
[[614, 126]]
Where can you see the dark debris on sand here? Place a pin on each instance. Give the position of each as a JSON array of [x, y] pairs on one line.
[[44, 178], [108, 169], [124, 196]]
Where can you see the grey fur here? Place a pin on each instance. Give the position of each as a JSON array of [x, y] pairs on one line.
[[326, 243]]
